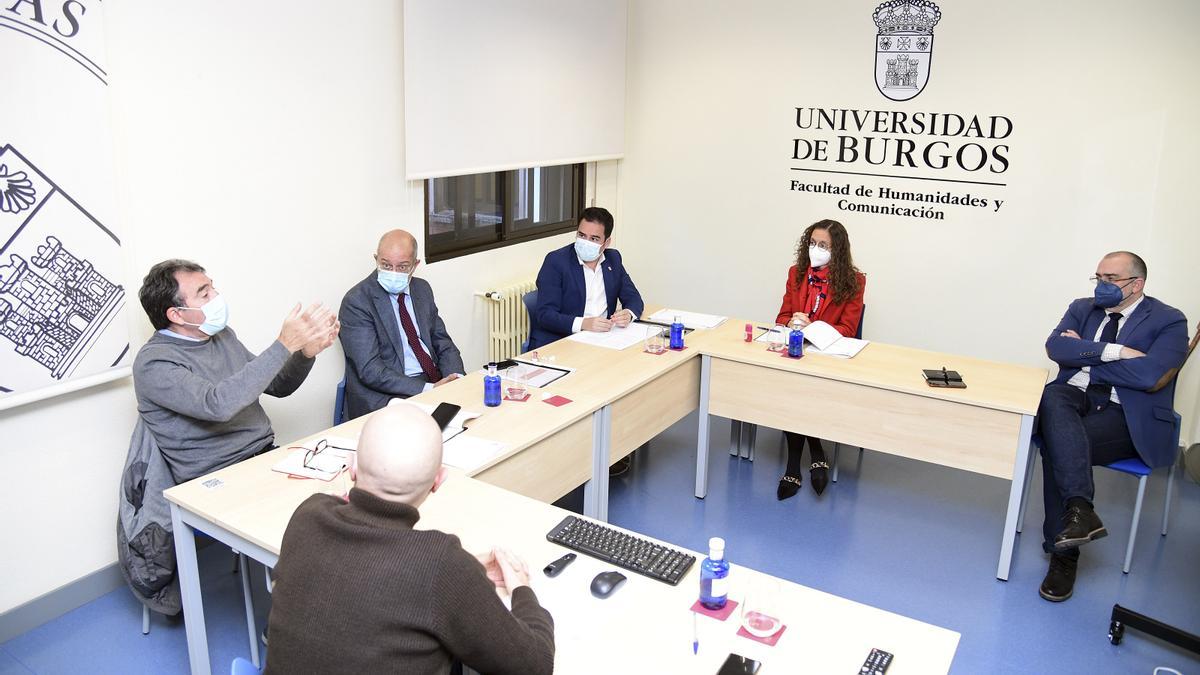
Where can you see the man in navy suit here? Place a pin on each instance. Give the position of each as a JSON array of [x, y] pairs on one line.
[[1106, 404], [395, 343], [579, 285]]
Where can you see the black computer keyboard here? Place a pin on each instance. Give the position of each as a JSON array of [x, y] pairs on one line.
[[623, 550]]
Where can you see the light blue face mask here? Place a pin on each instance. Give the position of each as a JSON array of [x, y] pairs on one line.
[[587, 250], [392, 282], [216, 316]]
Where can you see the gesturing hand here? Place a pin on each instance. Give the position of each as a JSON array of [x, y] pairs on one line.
[[301, 328]]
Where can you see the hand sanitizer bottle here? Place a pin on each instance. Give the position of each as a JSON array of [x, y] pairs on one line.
[[714, 576]]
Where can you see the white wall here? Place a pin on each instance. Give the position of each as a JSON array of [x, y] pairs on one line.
[[1103, 158], [265, 141]]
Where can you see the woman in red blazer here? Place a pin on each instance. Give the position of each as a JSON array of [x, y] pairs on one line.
[[823, 285]]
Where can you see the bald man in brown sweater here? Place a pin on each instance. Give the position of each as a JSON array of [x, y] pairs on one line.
[[358, 590]]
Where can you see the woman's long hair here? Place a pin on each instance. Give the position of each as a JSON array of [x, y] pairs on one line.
[[843, 275]]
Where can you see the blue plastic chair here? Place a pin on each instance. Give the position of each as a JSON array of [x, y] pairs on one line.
[[1133, 467], [242, 667], [339, 403], [530, 300]]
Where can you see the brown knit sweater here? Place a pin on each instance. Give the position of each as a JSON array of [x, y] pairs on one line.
[[358, 590]]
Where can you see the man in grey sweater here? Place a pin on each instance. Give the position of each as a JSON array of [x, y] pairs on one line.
[[197, 385]]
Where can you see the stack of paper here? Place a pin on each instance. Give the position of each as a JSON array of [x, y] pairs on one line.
[[689, 319], [617, 337], [822, 338]]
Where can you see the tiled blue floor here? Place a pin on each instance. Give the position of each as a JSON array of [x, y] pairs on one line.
[[905, 536]]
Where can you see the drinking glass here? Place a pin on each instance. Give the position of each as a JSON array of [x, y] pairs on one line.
[[656, 342], [760, 608]]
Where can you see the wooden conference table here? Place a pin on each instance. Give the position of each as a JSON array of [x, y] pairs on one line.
[[646, 626], [878, 400], [621, 399]]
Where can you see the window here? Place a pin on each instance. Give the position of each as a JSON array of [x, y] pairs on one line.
[[468, 214]]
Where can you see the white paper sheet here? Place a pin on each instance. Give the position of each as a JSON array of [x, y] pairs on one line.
[[688, 319], [617, 338], [469, 452]]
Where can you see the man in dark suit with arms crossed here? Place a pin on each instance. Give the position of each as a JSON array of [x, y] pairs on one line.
[[1108, 403]]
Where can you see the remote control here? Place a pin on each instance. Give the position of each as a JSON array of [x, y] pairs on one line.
[[554, 568], [877, 663]]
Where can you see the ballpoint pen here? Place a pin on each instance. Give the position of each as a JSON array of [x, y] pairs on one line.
[[695, 636]]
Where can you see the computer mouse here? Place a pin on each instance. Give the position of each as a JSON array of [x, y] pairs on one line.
[[606, 583]]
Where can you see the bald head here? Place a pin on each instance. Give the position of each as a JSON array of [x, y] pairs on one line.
[[1134, 265], [399, 454], [397, 246]]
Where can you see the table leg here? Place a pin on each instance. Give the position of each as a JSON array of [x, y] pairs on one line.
[[735, 437], [702, 432], [1015, 497], [188, 571], [248, 597], [595, 491]]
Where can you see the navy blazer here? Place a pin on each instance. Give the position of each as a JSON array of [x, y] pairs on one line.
[[561, 293], [374, 349], [1156, 329]]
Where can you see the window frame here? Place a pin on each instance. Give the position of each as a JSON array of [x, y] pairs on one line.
[[506, 232]]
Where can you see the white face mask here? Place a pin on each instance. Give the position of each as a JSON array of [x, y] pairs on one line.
[[216, 316], [587, 250], [818, 256]]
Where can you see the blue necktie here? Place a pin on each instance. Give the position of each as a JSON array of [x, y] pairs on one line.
[[1099, 395]]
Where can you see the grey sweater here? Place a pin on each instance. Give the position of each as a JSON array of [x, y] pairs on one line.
[[200, 399]]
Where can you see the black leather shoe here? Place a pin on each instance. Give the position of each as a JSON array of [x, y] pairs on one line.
[[1080, 525], [1059, 583], [819, 474], [788, 487]]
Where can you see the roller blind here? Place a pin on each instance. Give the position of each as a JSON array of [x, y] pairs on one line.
[[492, 85]]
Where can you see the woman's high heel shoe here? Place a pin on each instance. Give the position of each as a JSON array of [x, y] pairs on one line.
[[788, 487], [819, 474]]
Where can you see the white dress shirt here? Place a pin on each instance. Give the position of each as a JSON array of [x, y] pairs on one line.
[[595, 299], [1112, 350], [412, 367]]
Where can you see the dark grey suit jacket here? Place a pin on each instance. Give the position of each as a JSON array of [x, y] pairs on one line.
[[374, 345]]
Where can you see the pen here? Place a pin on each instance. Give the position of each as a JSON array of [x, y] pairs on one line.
[[695, 636]]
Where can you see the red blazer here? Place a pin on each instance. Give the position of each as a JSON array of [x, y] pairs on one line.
[[843, 317]]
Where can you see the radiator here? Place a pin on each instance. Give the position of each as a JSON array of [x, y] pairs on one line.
[[508, 322]]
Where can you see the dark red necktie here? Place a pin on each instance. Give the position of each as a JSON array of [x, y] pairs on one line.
[[414, 342]]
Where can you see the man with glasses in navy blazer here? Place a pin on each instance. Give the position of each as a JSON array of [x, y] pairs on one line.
[[579, 285], [1112, 400], [396, 345]]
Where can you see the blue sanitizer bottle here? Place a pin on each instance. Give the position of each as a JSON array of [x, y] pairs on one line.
[[714, 576], [491, 387], [796, 342], [676, 334]]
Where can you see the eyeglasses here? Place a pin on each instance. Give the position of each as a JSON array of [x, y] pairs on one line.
[[315, 451], [820, 244], [1106, 279], [404, 267]]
